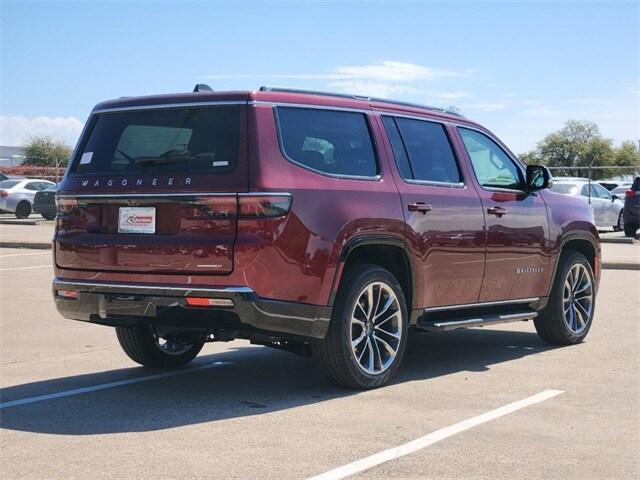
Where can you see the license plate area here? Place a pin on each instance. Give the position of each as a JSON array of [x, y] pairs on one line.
[[137, 220]]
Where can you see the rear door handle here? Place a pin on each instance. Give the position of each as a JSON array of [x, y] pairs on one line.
[[419, 207], [497, 211]]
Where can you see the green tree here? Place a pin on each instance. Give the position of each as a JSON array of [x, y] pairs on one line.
[[627, 155], [46, 151]]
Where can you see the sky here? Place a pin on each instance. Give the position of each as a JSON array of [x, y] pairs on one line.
[[522, 69]]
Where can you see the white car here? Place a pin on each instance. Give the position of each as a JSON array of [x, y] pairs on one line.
[[607, 208], [17, 195]]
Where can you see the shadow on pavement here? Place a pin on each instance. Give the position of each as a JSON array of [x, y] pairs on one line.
[[260, 380]]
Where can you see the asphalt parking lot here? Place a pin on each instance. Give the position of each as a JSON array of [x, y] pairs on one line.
[[73, 406]]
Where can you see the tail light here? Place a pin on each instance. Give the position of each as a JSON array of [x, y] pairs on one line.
[[66, 205], [262, 205], [4, 194], [209, 302], [631, 193]]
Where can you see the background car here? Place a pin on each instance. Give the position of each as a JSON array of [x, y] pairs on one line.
[[44, 203], [17, 195], [607, 208], [632, 209], [609, 185], [621, 189]]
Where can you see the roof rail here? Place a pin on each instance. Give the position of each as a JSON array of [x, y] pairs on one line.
[[359, 97]]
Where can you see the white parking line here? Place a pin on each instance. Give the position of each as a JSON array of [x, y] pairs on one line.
[[24, 268], [104, 386], [24, 254], [433, 437]]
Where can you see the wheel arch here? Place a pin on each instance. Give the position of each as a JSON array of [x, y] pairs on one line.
[[385, 251], [584, 244]]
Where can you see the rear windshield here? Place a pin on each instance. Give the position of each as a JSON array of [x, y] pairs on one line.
[[566, 188], [174, 140], [9, 183]]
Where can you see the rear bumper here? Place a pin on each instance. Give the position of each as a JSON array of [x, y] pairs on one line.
[[130, 304]]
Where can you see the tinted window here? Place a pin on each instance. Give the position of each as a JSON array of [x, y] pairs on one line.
[[429, 151], [399, 151], [33, 186], [585, 191], [600, 192], [329, 141], [184, 140], [492, 166], [9, 183]]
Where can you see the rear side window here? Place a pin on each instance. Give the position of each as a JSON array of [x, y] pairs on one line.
[[327, 141], [399, 152], [173, 140], [566, 188], [9, 183], [430, 155]]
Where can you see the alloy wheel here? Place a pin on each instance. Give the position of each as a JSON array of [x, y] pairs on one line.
[[577, 299], [171, 345], [376, 328]]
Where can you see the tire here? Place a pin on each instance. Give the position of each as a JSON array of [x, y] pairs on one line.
[[620, 225], [630, 229], [49, 216], [338, 360], [142, 346], [553, 324], [23, 210]]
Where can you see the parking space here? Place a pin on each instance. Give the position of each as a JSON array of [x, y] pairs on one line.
[[243, 411]]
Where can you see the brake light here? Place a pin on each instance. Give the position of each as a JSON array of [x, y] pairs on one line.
[[66, 205], [261, 205], [68, 294], [4, 194], [631, 193]]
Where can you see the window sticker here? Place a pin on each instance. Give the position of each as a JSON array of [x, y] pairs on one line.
[[86, 158]]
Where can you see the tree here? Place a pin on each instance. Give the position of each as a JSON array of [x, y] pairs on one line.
[[46, 151]]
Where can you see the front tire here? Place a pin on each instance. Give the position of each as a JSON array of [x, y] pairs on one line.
[[49, 216], [23, 209], [368, 333], [144, 346], [620, 225], [567, 318]]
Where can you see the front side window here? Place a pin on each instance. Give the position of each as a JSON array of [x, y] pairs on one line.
[[600, 192], [492, 166], [429, 151], [327, 141], [171, 140]]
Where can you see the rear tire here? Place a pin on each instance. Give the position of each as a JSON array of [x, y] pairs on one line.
[[368, 333], [567, 318], [630, 229], [49, 216], [143, 346], [620, 225], [23, 210]]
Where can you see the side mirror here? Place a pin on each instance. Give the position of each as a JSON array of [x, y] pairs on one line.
[[538, 177], [614, 197]]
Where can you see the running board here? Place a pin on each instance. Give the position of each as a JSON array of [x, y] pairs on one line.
[[479, 321]]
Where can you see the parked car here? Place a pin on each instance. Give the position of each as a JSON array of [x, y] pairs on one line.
[[16, 195], [621, 189], [632, 209], [609, 185], [44, 202], [3, 177], [323, 224], [607, 208]]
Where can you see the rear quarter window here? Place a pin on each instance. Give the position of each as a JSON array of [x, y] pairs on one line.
[[327, 141]]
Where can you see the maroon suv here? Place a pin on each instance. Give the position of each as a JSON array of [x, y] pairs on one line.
[[317, 223]]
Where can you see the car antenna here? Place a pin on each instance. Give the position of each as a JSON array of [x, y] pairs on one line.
[[202, 87]]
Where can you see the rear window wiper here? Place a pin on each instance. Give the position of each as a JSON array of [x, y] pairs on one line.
[[170, 156]]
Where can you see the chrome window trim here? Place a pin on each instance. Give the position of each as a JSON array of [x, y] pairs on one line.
[[162, 195], [481, 304], [162, 106]]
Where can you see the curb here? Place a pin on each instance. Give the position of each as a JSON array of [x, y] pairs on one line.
[[620, 266], [33, 245], [618, 240]]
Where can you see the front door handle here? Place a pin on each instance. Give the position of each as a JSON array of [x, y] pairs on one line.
[[419, 207], [497, 211]]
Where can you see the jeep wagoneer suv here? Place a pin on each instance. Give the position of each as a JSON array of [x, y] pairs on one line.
[[325, 224]]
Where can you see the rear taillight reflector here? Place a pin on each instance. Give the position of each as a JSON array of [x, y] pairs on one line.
[[257, 205], [209, 302], [4, 194], [66, 205], [69, 294], [631, 193]]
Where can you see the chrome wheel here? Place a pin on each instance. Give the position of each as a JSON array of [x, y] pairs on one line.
[[171, 345], [577, 299], [376, 328]]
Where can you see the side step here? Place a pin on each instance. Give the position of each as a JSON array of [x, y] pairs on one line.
[[478, 321]]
